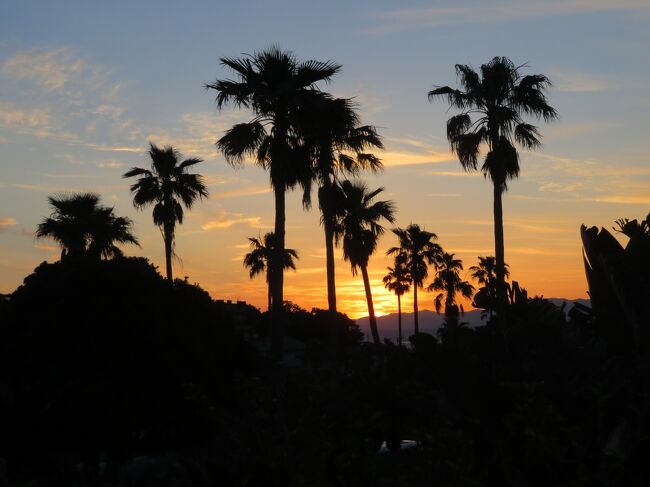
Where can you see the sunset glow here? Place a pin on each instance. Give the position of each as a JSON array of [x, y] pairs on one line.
[[78, 109]]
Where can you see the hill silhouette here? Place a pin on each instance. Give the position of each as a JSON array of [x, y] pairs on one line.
[[431, 322]]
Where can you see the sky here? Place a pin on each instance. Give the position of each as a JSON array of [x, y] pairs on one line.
[[86, 85]]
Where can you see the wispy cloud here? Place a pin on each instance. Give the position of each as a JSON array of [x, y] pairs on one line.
[[7, 222], [506, 11], [51, 69], [575, 82], [226, 220], [109, 164], [12, 116]]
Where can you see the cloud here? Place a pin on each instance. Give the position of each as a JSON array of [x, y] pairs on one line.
[[639, 199], [241, 192], [11, 116], [574, 82], [505, 11], [49, 68], [402, 151], [109, 164], [7, 222], [226, 220], [553, 187]]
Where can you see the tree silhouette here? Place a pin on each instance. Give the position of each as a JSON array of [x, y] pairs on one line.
[[81, 226], [485, 274], [337, 146], [418, 251], [260, 259], [168, 186], [398, 281], [276, 87], [497, 99], [449, 283], [360, 229]]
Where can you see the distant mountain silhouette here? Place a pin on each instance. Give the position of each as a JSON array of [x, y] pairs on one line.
[[430, 321]]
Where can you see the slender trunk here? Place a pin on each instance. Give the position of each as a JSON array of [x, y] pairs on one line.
[[277, 276], [371, 309], [499, 253], [399, 320], [415, 307], [268, 292], [167, 237], [329, 257]]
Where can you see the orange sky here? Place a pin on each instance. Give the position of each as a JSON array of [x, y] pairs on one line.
[[76, 113]]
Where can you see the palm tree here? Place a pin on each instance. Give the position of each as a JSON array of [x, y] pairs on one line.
[[485, 274], [418, 251], [260, 259], [449, 283], [337, 144], [360, 229], [278, 89], [398, 280], [168, 186], [81, 226], [497, 99]]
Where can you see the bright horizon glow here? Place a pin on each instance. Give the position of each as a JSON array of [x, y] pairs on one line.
[[87, 86]]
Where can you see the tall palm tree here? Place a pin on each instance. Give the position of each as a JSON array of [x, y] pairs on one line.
[[485, 274], [398, 280], [360, 229], [168, 186], [449, 283], [81, 226], [418, 251], [277, 88], [497, 100], [260, 259], [337, 145]]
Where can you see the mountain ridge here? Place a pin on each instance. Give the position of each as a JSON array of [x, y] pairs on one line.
[[430, 321]]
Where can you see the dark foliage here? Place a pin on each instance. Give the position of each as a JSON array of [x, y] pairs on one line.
[[113, 376]]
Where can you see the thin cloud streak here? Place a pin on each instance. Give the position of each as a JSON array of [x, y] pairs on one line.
[[507, 11]]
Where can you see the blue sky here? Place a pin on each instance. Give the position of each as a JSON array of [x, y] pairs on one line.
[[85, 85]]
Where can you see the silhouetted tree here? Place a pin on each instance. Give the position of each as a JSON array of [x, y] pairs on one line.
[[360, 230], [497, 99], [337, 145], [485, 274], [168, 186], [418, 251], [260, 259], [81, 226], [276, 87], [449, 282], [398, 280]]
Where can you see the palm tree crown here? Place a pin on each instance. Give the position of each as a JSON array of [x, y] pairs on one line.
[[337, 145], [485, 274], [398, 280], [360, 229], [81, 226], [492, 106], [279, 90], [169, 187], [449, 283], [418, 251], [260, 258]]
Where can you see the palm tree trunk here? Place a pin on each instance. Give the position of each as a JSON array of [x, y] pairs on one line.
[[268, 292], [329, 258], [371, 309], [167, 237], [415, 308], [277, 276], [399, 320], [499, 252]]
